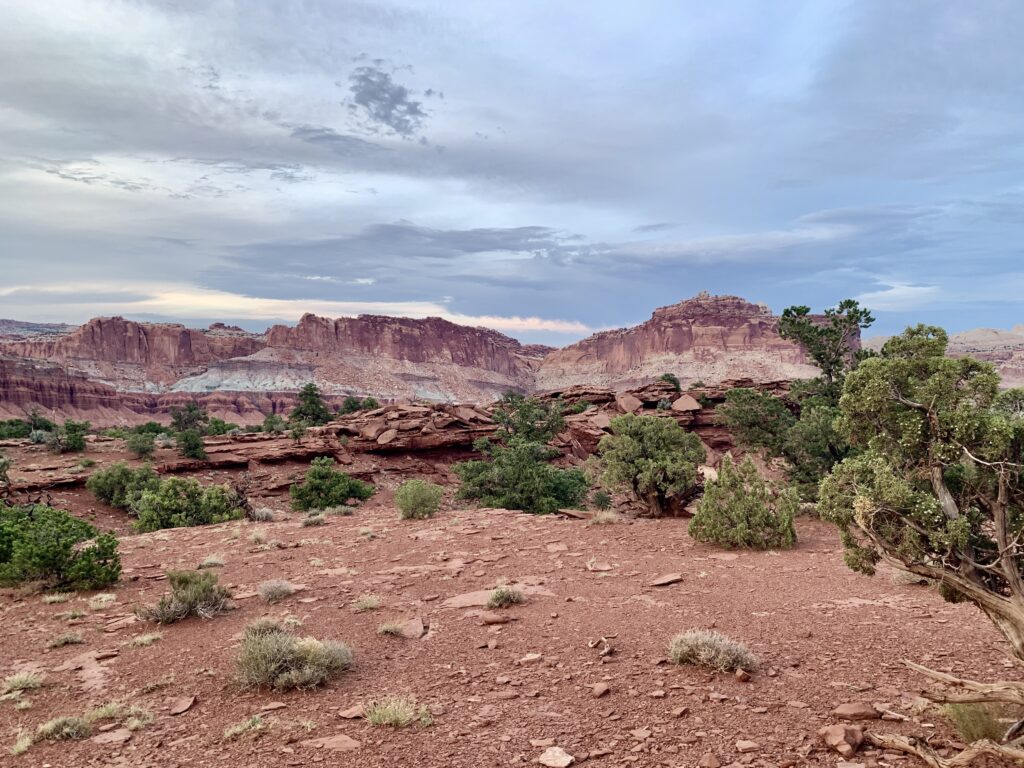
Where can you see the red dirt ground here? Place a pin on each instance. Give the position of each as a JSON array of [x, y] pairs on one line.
[[825, 636]]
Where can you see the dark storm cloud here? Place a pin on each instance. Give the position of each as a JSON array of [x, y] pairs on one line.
[[385, 102]]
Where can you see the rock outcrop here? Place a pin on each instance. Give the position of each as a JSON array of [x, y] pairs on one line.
[[1004, 349], [706, 338]]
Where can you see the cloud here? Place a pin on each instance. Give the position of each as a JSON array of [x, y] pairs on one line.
[[384, 102], [900, 297]]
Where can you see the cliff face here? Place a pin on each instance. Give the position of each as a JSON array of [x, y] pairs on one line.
[[1004, 349], [707, 338]]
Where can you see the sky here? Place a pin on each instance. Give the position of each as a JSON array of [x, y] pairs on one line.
[[547, 169]]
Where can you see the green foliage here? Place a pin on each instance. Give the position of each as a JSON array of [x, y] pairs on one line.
[[652, 457], [273, 657], [274, 424], [311, 408], [220, 427], [527, 419], [739, 510], [14, 428], [324, 486], [149, 428], [179, 502], [418, 499], [755, 419], [518, 476], [937, 484], [38, 543], [69, 437], [370, 404], [190, 444], [353, 404], [711, 649], [298, 431], [38, 423], [828, 342], [672, 379], [120, 486], [976, 721], [601, 500], [141, 445], [578, 407], [193, 593], [191, 417]]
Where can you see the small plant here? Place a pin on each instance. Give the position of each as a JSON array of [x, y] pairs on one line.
[[193, 593], [57, 597], [64, 729], [390, 628], [38, 436], [23, 681], [740, 510], [710, 649], [141, 445], [120, 486], [69, 437], [325, 486], [342, 510], [366, 603], [275, 590], [212, 561], [313, 520], [145, 640], [274, 424], [504, 597], [65, 638], [179, 502], [367, 533], [72, 614], [601, 500], [672, 379], [190, 444], [101, 601], [975, 721], [396, 712], [271, 656], [263, 515], [604, 517], [251, 726], [22, 743], [418, 499]]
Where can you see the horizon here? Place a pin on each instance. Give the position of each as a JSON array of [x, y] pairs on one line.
[[547, 172]]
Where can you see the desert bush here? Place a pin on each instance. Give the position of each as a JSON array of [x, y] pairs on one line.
[[141, 445], [65, 638], [396, 712], [193, 593], [64, 729], [274, 424], [190, 444], [755, 419], [601, 500], [710, 649], [275, 590], [273, 657], [976, 721], [212, 561], [324, 486], [145, 640], [22, 681], [69, 437], [179, 502], [221, 427], [526, 418], [38, 543], [418, 499], [366, 603], [311, 408], [120, 486], [38, 436], [262, 515], [313, 519], [390, 628], [190, 417], [604, 517], [250, 726], [504, 596], [672, 379], [652, 457], [740, 510], [14, 428]]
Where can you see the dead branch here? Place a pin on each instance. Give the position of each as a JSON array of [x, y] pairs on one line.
[[920, 749], [969, 691]]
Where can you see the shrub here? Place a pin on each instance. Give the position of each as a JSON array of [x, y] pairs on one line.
[[311, 408], [120, 486], [69, 437], [65, 638], [193, 593], [273, 424], [755, 419], [526, 418], [252, 726], [221, 427], [273, 657], [366, 603], [604, 517], [275, 590], [391, 628], [22, 681], [38, 543], [145, 640], [504, 597], [396, 712], [369, 404], [654, 458], [211, 561], [418, 499], [181, 502], [672, 379], [313, 519], [601, 500], [38, 436], [190, 418], [518, 476], [324, 486], [707, 648], [141, 445], [14, 428], [64, 729], [738, 510], [190, 444], [975, 721]]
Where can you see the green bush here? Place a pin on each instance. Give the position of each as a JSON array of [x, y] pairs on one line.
[[527, 419], [654, 458], [324, 486], [141, 445], [740, 510], [191, 417], [518, 476], [181, 502], [220, 427], [311, 408], [418, 499], [672, 379], [273, 657], [193, 593], [190, 444], [120, 486], [273, 424], [149, 428], [39, 543], [601, 500], [68, 437], [14, 428]]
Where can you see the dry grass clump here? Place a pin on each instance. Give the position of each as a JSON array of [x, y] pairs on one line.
[[976, 721], [212, 561], [22, 743], [710, 649], [252, 726], [396, 712], [23, 681], [275, 590], [263, 515], [504, 596], [604, 517], [390, 628], [193, 593], [57, 597], [101, 601], [64, 729], [146, 640], [71, 615], [312, 520], [366, 603], [273, 657], [65, 638], [342, 510]]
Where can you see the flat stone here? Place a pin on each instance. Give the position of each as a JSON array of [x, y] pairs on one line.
[[339, 743], [556, 757], [709, 760], [857, 710], [413, 629], [182, 705], [627, 403], [844, 739], [667, 578], [600, 689], [272, 706], [491, 617], [743, 746], [352, 713], [116, 736], [531, 658]]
